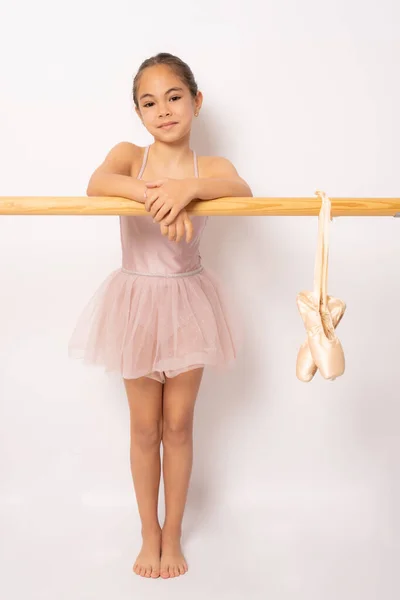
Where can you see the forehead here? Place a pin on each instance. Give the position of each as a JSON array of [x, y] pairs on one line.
[[157, 79]]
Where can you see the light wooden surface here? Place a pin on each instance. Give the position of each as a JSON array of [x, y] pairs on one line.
[[51, 205]]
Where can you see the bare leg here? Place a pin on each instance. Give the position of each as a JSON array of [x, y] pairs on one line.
[[145, 405], [180, 395]]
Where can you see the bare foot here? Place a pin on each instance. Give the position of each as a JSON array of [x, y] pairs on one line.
[[173, 562], [148, 562]]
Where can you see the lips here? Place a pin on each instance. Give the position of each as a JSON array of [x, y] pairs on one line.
[[169, 124]]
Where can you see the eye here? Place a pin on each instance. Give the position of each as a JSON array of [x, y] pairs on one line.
[[175, 98], [148, 104]]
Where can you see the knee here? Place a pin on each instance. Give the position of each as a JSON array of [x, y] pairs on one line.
[[147, 435], [176, 433]]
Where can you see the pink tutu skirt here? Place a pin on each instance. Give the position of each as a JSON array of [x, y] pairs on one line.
[[153, 326]]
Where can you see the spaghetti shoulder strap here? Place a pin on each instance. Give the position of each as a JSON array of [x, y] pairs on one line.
[[146, 154], [196, 166]]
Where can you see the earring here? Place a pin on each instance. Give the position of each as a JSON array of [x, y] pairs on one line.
[[196, 114]]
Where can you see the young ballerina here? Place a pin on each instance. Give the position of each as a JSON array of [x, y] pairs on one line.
[[161, 318]]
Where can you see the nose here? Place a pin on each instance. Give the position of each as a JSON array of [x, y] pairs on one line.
[[164, 112]]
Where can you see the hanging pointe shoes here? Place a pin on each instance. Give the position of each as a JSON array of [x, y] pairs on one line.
[[305, 365], [321, 313]]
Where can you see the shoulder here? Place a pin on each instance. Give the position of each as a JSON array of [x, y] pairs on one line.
[[216, 166], [122, 158], [125, 149]]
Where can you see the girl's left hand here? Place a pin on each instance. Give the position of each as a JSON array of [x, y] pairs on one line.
[[165, 198], [177, 230]]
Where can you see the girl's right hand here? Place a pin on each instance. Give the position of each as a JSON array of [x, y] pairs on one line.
[[176, 230]]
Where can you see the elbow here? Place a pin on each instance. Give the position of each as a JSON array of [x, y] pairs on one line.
[[90, 190], [248, 193]]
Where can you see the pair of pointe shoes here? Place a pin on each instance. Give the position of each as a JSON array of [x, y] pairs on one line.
[[322, 349], [321, 313]]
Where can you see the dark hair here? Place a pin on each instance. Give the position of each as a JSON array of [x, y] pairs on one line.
[[180, 68]]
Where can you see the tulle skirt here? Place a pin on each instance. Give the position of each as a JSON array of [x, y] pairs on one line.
[[140, 325]]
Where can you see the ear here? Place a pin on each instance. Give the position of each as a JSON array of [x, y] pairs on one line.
[[198, 101]]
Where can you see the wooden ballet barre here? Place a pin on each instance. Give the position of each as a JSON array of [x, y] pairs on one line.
[[104, 205]]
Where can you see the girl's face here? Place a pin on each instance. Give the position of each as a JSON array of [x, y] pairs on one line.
[[166, 106]]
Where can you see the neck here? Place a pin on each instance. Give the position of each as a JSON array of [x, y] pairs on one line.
[[172, 153]]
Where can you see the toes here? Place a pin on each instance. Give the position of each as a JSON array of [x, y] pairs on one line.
[[155, 573], [136, 569], [165, 572], [169, 571], [148, 572], [142, 571]]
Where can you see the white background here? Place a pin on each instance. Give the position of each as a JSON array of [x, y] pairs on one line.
[[295, 488]]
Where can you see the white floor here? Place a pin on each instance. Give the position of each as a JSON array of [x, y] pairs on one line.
[[61, 554]]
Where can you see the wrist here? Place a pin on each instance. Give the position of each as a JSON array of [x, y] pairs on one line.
[[142, 190], [193, 188]]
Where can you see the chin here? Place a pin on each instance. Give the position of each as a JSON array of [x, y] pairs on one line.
[[167, 136]]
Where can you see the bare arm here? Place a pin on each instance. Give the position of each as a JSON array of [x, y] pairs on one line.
[[113, 176], [222, 181]]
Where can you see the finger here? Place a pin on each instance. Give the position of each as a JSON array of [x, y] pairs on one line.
[[180, 229], [172, 232], [149, 196], [157, 205], [161, 213], [175, 210], [150, 200], [188, 227], [153, 184], [164, 229]]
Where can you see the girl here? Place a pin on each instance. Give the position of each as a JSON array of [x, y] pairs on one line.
[[160, 319]]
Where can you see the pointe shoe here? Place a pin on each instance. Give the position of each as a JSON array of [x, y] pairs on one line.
[[318, 310], [306, 367]]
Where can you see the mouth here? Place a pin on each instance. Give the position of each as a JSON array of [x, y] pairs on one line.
[[168, 125]]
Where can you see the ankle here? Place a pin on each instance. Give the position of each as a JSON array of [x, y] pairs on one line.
[[172, 530], [151, 529]]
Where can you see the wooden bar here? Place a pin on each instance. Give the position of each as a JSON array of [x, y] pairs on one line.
[[93, 205]]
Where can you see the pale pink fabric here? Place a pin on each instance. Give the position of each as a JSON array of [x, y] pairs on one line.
[[162, 313]]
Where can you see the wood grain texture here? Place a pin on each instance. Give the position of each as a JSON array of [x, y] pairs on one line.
[[93, 205]]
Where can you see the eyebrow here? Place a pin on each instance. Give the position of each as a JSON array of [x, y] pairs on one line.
[[173, 89]]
